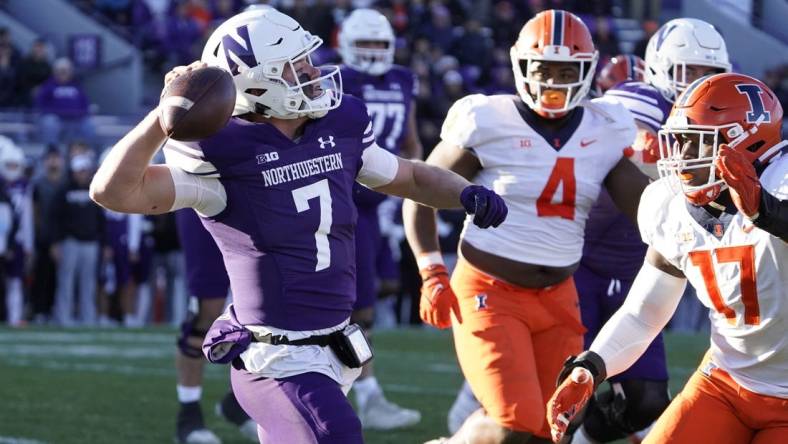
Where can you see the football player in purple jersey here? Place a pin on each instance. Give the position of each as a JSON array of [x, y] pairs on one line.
[[275, 190], [366, 44], [680, 52], [208, 286]]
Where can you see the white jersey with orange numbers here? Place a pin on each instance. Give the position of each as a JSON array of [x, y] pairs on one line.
[[740, 274], [548, 191]]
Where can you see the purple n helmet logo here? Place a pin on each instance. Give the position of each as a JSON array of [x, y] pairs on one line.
[[241, 50]]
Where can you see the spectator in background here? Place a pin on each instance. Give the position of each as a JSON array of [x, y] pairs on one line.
[[79, 227], [649, 28], [182, 33], [8, 76], [473, 46], [605, 40], [45, 189], [5, 41], [34, 70], [316, 16], [64, 107], [439, 30], [506, 23], [221, 10], [199, 11]]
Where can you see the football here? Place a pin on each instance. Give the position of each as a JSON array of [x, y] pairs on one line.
[[197, 104]]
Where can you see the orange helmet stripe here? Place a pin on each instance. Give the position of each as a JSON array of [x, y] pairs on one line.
[[547, 28]]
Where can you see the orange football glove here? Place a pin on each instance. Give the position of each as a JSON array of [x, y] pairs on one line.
[[437, 298], [738, 172], [568, 400]]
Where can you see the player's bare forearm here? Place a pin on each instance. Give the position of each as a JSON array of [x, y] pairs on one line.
[[126, 182], [426, 184], [421, 228]]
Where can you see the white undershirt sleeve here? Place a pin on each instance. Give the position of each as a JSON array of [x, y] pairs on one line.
[[649, 305], [378, 167], [206, 195]]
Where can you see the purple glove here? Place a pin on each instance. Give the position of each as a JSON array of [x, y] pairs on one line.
[[226, 339], [487, 207]]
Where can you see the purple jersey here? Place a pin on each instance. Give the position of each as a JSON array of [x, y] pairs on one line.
[[613, 247], [389, 99], [287, 231], [206, 277]]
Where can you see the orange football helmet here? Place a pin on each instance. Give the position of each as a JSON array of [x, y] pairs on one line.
[[729, 108], [620, 68], [553, 36]]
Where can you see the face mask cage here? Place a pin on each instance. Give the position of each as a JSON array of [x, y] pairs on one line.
[[301, 95], [684, 150], [574, 91], [375, 61], [678, 76]]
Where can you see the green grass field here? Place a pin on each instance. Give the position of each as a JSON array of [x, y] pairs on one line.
[[117, 386]]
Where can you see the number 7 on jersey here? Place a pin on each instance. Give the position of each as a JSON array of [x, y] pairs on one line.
[[301, 196]]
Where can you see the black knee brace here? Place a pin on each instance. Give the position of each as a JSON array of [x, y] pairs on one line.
[[630, 406], [189, 329]]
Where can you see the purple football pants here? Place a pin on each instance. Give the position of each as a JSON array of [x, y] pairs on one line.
[[600, 297], [309, 408]]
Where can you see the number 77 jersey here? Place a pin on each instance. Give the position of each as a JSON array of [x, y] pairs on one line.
[[738, 271], [549, 180]]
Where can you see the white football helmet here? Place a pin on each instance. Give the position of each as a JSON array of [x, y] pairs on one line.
[[12, 160], [367, 25], [678, 43], [257, 46]]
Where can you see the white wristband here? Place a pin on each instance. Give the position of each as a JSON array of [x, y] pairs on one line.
[[424, 260]]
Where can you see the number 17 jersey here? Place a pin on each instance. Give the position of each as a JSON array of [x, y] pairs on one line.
[[739, 272]]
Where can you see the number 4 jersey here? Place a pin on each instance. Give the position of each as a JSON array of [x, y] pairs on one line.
[[739, 272], [287, 231], [549, 181]]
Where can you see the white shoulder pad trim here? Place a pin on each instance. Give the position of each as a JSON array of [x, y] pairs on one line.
[[206, 195], [188, 157], [379, 167]]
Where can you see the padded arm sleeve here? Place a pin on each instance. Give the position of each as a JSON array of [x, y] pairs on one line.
[[206, 195], [379, 167], [649, 305]]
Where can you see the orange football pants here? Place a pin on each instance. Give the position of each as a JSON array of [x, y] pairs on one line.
[[713, 408], [512, 342]]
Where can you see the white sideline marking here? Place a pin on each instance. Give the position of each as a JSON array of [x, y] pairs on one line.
[[16, 440], [93, 351], [42, 336]]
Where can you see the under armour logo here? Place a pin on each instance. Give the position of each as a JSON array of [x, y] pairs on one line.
[[481, 301], [330, 142]]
